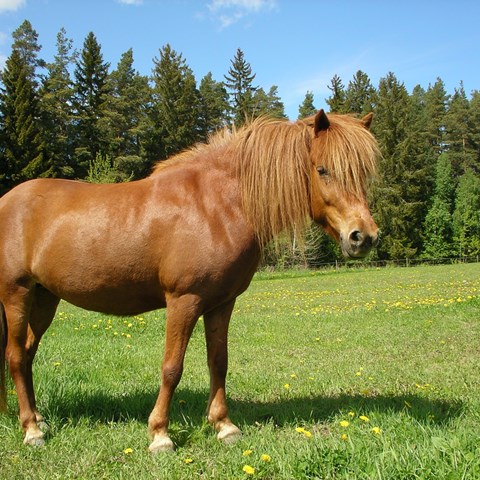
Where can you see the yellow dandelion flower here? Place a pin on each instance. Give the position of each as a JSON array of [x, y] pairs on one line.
[[249, 470], [344, 423], [188, 460], [287, 386], [364, 418], [376, 430], [351, 414], [344, 437], [128, 451], [266, 458], [246, 453]]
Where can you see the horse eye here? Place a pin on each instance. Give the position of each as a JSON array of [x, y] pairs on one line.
[[322, 171]]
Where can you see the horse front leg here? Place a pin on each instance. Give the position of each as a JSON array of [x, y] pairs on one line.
[[182, 315], [17, 312], [216, 335]]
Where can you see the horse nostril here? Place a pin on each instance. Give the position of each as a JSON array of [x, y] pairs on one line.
[[356, 236]]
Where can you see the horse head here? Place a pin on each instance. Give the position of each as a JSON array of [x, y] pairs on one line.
[[343, 156]]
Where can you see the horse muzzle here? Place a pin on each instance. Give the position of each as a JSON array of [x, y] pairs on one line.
[[358, 243]]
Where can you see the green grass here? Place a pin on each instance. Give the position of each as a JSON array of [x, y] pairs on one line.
[[308, 350]]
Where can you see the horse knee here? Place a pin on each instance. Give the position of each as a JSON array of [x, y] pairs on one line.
[[171, 374]]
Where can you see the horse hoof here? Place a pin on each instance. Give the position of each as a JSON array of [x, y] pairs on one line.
[[34, 440], [229, 434], [161, 444]]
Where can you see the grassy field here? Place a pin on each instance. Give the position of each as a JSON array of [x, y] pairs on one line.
[[369, 374]]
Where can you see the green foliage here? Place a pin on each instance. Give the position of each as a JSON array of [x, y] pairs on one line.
[[307, 108], [336, 101], [176, 103], [213, 105], [438, 228], [22, 143], [56, 97], [239, 82], [125, 122], [91, 91], [466, 217]]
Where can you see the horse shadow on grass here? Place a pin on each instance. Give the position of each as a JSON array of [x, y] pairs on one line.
[[188, 408]]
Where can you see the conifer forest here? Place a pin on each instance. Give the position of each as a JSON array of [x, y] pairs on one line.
[[79, 117]]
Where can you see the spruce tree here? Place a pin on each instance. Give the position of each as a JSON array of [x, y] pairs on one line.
[[91, 89], [466, 217], [394, 201], [336, 101], [175, 112], [438, 226], [473, 130], [436, 100], [25, 42], [22, 144], [268, 104], [307, 108], [239, 83], [56, 96], [213, 105], [125, 121], [457, 128], [359, 95]]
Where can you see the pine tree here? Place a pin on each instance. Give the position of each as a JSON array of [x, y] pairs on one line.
[[307, 108], [436, 100], [125, 121], [457, 131], [473, 130], [395, 202], [438, 227], [359, 95], [25, 42], [239, 82], [268, 104], [56, 96], [91, 90], [336, 101], [466, 217], [22, 144], [213, 105], [175, 112]]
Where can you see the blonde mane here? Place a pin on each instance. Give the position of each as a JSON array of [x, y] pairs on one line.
[[272, 160]]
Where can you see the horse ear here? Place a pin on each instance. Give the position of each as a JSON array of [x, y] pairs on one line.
[[367, 120], [321, 122]]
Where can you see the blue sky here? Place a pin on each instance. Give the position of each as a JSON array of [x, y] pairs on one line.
[[297, 45]]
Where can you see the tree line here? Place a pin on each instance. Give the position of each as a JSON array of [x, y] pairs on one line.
[[76, 117]]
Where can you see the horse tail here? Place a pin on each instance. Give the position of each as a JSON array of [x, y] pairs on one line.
[[3, 347]]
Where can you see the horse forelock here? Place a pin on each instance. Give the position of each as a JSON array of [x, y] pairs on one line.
[[272, 163], [349, 152]]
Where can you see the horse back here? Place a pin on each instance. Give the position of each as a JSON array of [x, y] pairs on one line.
[[122, 248]]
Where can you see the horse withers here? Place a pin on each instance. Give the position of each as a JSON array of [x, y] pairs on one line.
[[188, 238]]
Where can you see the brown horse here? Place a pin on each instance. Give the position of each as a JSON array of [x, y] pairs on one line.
[[187, 238]]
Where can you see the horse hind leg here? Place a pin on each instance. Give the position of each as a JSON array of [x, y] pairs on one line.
[[216, 335]]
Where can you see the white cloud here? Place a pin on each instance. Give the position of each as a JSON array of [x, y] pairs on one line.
[[9, 5], [228, 12]]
